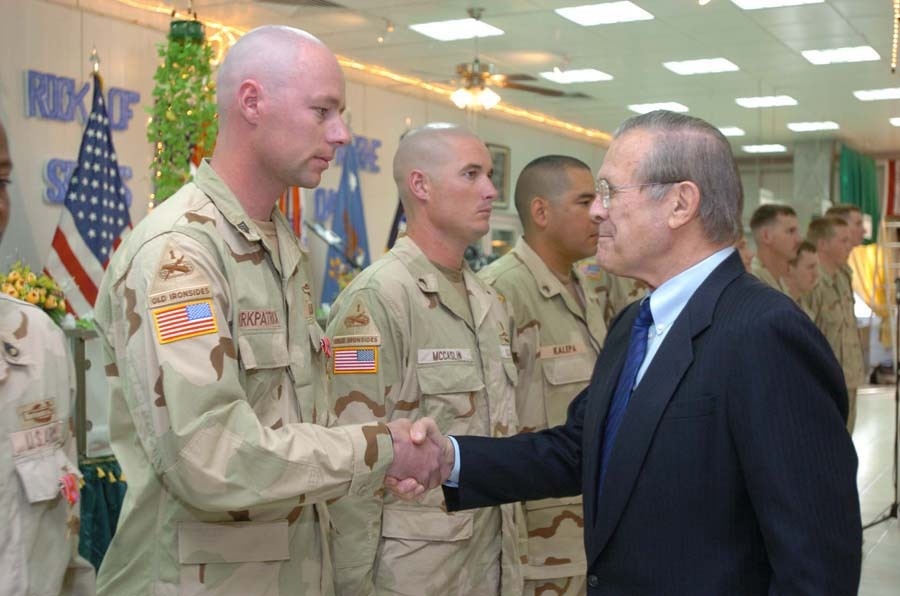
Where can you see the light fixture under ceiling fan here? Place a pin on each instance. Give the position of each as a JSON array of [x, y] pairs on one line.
[[476, 79]]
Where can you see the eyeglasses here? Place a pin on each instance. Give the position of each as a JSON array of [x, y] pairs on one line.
[[605, 190]]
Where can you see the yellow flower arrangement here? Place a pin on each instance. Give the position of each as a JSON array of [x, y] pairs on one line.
[[22, 283]]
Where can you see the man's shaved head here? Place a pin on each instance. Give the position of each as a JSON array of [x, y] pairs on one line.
[[268, 55], [425, 148]]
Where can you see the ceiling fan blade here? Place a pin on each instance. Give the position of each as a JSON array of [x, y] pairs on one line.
[[532, 89], [513, 77]]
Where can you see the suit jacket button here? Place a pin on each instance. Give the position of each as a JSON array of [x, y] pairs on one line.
[[593, 581]]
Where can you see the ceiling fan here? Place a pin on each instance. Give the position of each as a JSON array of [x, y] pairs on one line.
[[476, 78], [477, 73]]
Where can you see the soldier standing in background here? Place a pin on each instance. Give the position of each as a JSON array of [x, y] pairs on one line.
[[802, 275], [852, 214], [39, 531], [216, 365], [831, 302], [418, 334], [777, 237], [560, 328]]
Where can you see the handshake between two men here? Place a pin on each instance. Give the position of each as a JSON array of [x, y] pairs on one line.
[[423, 457]]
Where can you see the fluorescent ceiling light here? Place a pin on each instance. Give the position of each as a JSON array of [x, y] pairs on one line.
[[643, 108], [877, 94], [581, 75], [604, 14], [836, 55], [732, 131], [456, 29], [764, 148], [766, 101], [755, 4], [895, 121], [812, 126], [703, 66]]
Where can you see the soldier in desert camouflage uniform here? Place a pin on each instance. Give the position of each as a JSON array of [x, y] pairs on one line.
[[560, 327], [417, 334], [831, 302], [777, 238], [215, 361], [39, 530]]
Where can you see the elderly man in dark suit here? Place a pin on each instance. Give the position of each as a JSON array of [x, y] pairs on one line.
[[710, 445]]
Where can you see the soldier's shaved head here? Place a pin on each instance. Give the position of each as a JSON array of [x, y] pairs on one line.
[[280, 96], [270, 55], [425, 149], [546, 177]]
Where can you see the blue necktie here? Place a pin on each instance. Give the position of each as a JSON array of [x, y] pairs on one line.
[[637, 349]]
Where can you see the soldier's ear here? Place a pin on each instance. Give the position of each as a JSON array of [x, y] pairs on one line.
[[419, 185], [539, 209], [249, 98]]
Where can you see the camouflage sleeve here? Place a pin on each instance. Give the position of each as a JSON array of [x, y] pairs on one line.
[[525, 343], [361, 393], [812, 302], [187, 402]]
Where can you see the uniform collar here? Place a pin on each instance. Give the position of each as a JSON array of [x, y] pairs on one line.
[[548, 284], [218, 192], [430, 280]]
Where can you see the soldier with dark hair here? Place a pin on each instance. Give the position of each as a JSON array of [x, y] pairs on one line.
[[777, 237]]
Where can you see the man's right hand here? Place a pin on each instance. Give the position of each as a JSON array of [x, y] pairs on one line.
[[423, 458]]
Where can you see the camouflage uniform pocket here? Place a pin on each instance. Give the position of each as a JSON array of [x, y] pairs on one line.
[[231, 557], [431, 526], [264, 360], [560, 374], [450, 393]]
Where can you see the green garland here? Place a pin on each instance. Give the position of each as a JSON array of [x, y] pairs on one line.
[[183, 116]]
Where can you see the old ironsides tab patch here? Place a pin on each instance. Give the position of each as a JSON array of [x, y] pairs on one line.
[[179, 295], [184, 320]]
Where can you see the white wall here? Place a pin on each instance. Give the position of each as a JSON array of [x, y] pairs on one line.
[[57, 38]]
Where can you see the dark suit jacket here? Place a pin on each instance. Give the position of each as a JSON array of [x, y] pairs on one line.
[[732, 471]]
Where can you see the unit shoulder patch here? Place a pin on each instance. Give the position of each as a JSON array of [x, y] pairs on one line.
[[176, 279], [357, 321]]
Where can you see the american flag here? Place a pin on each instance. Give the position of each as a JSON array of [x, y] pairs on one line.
[[355, 360], [183, 321], [95, 217]]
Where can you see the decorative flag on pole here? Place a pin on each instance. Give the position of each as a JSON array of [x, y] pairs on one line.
[[349, 224], [95, 217]]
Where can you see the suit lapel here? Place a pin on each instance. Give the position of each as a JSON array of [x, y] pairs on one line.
[[647, 404]]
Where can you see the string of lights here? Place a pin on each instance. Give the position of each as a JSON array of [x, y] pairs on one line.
[[222, 36]]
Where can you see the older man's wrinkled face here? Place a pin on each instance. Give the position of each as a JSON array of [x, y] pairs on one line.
[[633, 233], [5, 170]]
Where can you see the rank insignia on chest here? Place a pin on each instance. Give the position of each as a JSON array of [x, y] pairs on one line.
[[355, 360], [185, 320]]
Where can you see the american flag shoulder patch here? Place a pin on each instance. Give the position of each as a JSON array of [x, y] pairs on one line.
[[188, 319], [355, 360]]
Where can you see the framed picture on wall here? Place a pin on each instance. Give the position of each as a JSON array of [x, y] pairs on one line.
[[500, 178]]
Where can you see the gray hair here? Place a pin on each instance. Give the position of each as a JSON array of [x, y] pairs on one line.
[[688, 148]]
